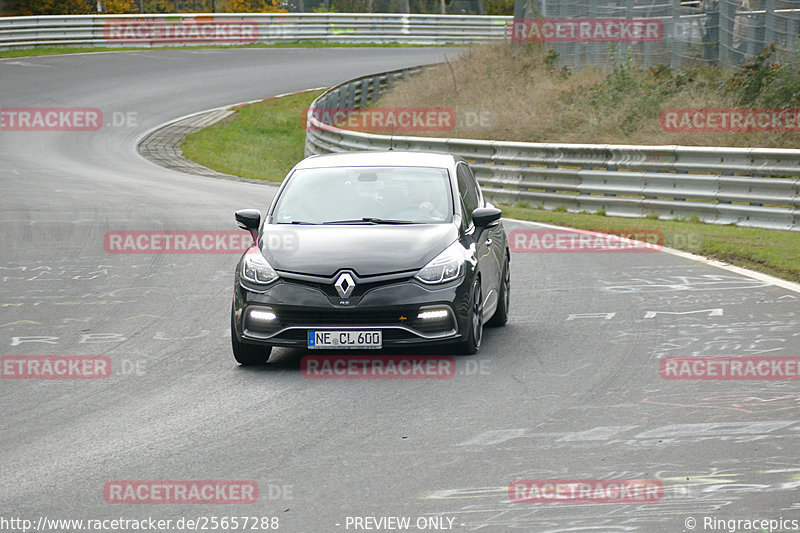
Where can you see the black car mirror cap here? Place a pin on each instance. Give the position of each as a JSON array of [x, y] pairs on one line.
[[484, 216], [248, 218]]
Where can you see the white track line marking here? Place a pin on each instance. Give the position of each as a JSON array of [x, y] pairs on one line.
[[772, 280]]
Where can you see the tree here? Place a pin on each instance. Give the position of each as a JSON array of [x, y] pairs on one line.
[[250, 6], [14, 8]]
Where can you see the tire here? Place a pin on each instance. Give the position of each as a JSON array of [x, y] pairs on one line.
[[248, 354], [475, 324], [500, 316]]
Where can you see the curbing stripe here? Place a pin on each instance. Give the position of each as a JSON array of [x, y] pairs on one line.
[[760, 276]]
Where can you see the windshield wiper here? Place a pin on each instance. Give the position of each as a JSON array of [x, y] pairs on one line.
[[370, 220], [298, 222]]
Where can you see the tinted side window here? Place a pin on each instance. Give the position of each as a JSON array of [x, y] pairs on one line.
[[468, 192], [474, 183]]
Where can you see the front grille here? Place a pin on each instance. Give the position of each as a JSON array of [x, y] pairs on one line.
[[318, 317], [361, 288]]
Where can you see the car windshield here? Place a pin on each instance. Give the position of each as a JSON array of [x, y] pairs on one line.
[[365, 195]]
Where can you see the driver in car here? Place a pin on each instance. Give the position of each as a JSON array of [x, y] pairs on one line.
[[432, 205]]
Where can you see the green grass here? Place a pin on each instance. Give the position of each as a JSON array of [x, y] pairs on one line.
[[773, 252], [262, 140], [59, 50]]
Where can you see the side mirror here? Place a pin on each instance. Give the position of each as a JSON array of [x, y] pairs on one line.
[[249, 219], [484, 216]]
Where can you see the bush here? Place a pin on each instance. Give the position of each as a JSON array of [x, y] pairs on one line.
[[499, 7], [765, 81]]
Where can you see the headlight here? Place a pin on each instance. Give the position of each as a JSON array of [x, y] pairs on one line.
[[445, 267], [255, 269]]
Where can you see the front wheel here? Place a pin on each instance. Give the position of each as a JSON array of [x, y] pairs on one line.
[[475, 323], [247, 354]]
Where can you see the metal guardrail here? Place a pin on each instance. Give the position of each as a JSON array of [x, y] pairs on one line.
[[757, 187], [268, 28], [724, 33]]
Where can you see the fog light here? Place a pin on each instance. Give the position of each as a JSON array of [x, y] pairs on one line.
[[262, 315], [435, 319], [433, 314]]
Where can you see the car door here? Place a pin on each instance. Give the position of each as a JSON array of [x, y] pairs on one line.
[[488, 262], [495, 232]]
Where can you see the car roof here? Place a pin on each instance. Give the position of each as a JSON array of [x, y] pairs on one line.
[[391, 158]]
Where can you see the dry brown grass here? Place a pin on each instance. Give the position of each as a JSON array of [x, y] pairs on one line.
[[519, 97]]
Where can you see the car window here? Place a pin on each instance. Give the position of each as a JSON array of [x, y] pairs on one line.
[[471, 178], [468, 191], [329, 195]]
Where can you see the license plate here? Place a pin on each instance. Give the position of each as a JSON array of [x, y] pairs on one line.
[[344, 339]]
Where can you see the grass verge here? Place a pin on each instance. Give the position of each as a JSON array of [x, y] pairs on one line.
[[60, 50], [261, 141], [264, 140]]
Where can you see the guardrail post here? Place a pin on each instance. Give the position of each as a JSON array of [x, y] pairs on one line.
[[755, 23], [793, 29], [727, 14], [376, 89], [627, 50], [594, 47], [675, 60], [648, 52], [364, 92], [578, 52], [519, 15], [341, 99], [770, 22]]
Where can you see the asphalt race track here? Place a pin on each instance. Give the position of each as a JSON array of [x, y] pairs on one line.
[[569, 390]]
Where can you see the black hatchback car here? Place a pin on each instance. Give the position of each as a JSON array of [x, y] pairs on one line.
[[366, 250]]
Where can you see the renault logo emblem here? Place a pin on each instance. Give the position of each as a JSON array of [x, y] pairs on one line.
[[345, 285]]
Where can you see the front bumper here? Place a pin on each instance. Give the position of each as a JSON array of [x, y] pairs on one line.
[[404, 310]]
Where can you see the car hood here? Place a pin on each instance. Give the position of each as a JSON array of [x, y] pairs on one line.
[[366, 249]]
